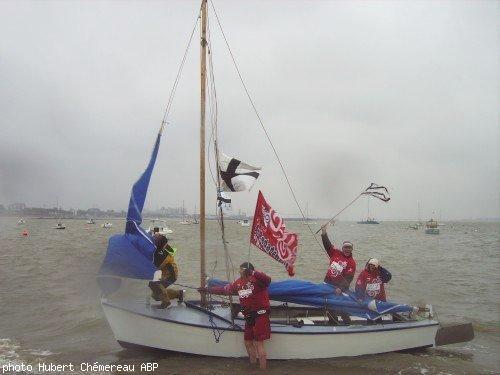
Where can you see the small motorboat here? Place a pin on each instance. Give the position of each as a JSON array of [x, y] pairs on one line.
[[245, 223], [369, 220], [162, 230], [60, 226], [107, 224], [431, 227], [21, 221], [90, 221], [185, 222]]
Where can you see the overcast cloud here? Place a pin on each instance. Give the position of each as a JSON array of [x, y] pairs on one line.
[[403, 94]]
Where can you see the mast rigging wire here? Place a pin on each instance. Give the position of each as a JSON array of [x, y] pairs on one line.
[[262, 123], [177, 78]]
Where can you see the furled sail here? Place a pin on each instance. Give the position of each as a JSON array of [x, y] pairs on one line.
[[130, 254], [323, 295]]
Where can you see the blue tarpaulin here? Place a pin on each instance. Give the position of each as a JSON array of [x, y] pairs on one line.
[[131, 254], [323, 295]]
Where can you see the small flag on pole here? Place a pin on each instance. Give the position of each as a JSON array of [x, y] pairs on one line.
[[236, 175], [377, 191], [223, 201]]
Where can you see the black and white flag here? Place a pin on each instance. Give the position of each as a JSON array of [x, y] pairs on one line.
[[377, 191], [223, 201], [236, 175]]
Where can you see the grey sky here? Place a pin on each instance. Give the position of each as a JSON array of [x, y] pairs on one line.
[[403, 94]]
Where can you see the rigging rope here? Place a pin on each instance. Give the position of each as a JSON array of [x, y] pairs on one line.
[[262, 123], [177, 78], [213, 108]]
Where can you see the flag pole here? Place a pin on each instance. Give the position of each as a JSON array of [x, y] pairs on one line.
[[342, 210], [370, 190]]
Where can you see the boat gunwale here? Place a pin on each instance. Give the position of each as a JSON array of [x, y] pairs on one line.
[[231, 328]]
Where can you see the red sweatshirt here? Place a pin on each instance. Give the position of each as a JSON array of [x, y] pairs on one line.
[[342, 268], [252, 291], [371, 284]]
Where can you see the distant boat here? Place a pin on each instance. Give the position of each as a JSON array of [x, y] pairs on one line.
[[431, 227], [107, 224], [162, 230], [245, 223], [184, 220], [21, 221], [414, 226], [195, 218], [308, 219], [90, 221], [60, 226], [369, 220]]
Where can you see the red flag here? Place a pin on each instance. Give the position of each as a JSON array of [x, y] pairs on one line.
[[270, 236]]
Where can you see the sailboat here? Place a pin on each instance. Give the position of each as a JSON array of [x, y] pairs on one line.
[[300, 324], [431, 227], [184, 220], [195, 218], [307, 220], [369, 220]]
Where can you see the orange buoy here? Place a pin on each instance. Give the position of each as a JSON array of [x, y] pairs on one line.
[[25, 232]]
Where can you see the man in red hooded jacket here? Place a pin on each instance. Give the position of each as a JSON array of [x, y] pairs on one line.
[[251, 288], [371, 280]]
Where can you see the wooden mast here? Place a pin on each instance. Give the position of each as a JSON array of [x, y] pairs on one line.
[[202, 145]]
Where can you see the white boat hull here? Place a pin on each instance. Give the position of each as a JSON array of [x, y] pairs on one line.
[[432, 231], [158, 329]]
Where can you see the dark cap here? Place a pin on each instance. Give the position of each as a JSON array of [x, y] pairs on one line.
[[247, 265], [160, 241]]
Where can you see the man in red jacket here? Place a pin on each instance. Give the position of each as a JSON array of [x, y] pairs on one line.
[[342, 265], [251, 288], [371, 280]]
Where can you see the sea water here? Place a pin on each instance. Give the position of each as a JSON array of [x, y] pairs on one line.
[[50, 311]]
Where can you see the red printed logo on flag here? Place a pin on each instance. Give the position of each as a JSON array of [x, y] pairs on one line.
[[270, 236]]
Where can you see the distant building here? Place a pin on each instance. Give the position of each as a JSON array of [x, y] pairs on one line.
[[16, 207]]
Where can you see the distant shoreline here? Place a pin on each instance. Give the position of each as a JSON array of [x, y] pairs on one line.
[[317, 221]]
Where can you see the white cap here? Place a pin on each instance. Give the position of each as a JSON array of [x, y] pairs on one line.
[[373, 261], [347, 243]]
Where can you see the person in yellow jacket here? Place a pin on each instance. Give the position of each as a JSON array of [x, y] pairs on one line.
[[163, 259]]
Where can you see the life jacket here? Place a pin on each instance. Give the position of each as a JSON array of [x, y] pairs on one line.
[[164, 260]]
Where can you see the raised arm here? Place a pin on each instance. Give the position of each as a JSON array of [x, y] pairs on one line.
[[326, 241]]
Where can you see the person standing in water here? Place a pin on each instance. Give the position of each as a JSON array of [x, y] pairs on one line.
[[251, 288]]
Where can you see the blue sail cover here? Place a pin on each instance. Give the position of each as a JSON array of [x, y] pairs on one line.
[[131, 254], [323, 295]]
